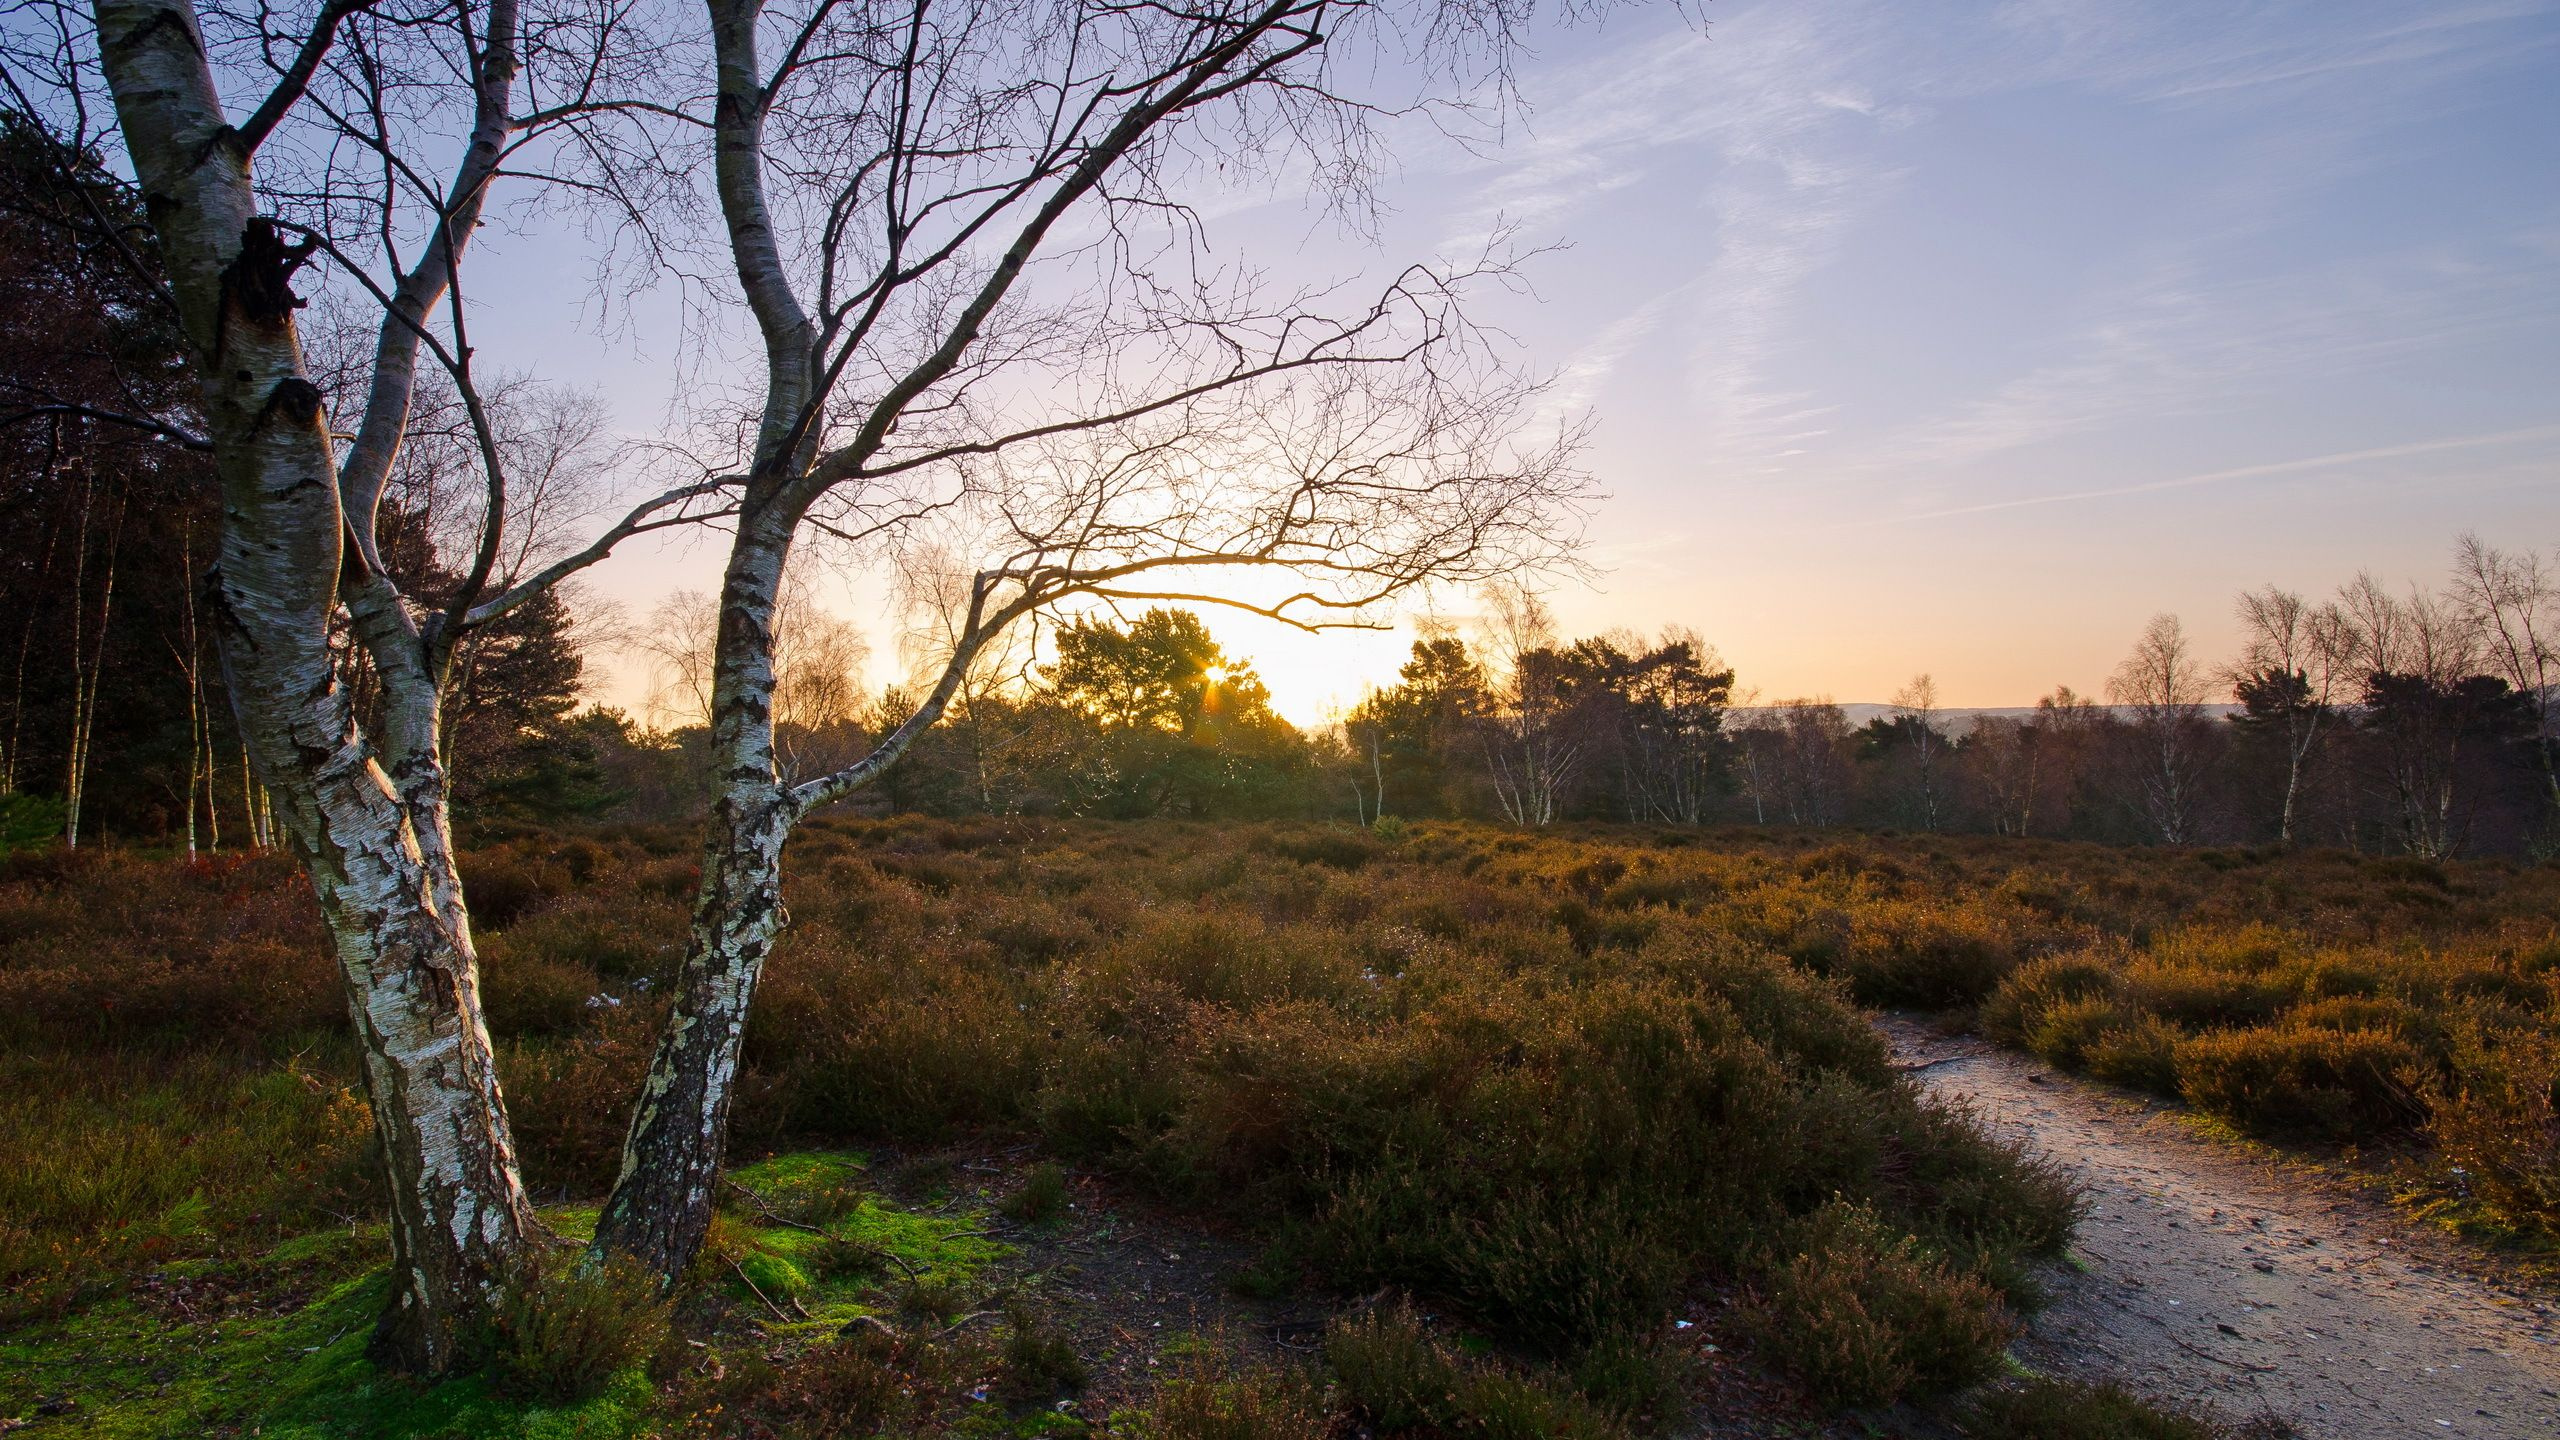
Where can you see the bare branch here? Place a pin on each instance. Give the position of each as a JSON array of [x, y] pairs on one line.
[[643, 518]]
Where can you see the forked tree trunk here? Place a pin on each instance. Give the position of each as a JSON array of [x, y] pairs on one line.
[[378, 856]]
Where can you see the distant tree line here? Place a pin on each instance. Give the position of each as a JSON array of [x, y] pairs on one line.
[[2416, 722]]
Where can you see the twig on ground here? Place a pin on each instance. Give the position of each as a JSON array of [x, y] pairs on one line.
[[741, 1272], [2239, 1365], [770, 1214]]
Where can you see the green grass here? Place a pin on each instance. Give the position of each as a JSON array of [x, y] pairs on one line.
[[284, 1355], [297, 1370]]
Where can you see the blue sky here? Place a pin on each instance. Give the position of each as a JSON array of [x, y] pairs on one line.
[[1964, 337]]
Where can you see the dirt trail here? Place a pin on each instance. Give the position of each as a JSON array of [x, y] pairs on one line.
[[2249, 1285]]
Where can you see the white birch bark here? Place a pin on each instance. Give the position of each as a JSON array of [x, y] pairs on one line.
[[385, 880]]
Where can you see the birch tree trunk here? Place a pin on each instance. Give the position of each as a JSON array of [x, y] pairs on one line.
[[661, 1204], [377, 852]]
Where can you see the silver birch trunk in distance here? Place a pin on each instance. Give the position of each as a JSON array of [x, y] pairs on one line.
[[375, 843]]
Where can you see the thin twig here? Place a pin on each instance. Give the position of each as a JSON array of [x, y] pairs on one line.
[[769, 1213], [741, 1272], [2218, 1360]]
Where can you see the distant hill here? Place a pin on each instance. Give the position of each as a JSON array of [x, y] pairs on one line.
[[1954, 721]]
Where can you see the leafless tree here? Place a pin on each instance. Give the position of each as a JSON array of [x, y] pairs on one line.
[[818, 659], [1805, 737], [88, 642], [2512, 599], [1916, 705], [2415, 655], [1531, 751], [2005, 756], [985, 311], [2162, 687], [1753, 731], [987, 316], [366, 137], [2295, 658]]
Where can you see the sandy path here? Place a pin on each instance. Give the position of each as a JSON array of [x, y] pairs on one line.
[[2251, 1286]]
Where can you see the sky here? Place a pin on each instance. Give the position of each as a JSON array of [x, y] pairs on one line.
[[1965, 337]]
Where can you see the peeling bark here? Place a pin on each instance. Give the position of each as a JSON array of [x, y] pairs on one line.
[[377, 852], [661, 1203]]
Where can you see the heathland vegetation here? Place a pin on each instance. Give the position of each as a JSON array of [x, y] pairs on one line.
[[1558, 1088]]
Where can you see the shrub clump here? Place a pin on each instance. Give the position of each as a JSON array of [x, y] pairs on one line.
[[1865, 1315], [1209, 1396], [2304, 1079], [566, 1328], [1040, 1198], [2040, 1408], [2497, 1127], [1402, 1381]]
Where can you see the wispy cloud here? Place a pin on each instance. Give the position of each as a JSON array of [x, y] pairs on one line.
[[2309, 463]]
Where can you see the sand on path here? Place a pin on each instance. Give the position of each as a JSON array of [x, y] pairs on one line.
[[2210, 1275]]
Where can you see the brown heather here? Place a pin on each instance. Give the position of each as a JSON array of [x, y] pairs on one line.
[[1552, 1083]]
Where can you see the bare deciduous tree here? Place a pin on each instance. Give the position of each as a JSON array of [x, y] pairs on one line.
[[1531, 752], [2162, 686], [987, 317], [1799, 762], [2513, 600], [2296, 656], [986, 313], [2415, 656], [370, 138], [2005, 756], [1916, 705]]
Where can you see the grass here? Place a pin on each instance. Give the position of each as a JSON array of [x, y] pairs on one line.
[[1549, 1085]]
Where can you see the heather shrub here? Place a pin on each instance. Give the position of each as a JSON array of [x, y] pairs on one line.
[[2142, 1055], [528, 994], [1040, 1362], [914, 1049], [614, 936], [2301, 1079], [566, 1327], [867, 1381], [2067, 1031], [1210, 1394], [2039, 1408], [1400, 1380], [1545, 1080], [568, 1100], [1342, 849], [506, 883], [1863, 1315], [2015, 1011], [1925, 955], [1041, 1197], [141, 1159], [2497, 1126], [2201, 994]]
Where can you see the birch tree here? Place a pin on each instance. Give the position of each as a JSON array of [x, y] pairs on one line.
[[1532, 752], [988, 317], [2296, 657], [2424, 706], [1916, 706], [2161, 687], [364, 136], [2512, 599]]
